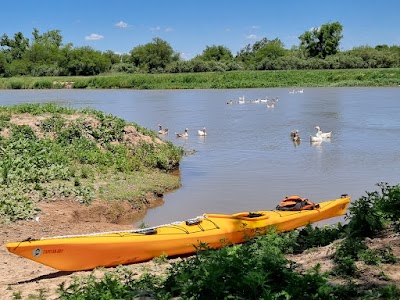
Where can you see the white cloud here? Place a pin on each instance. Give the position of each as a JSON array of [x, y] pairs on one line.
[[315, 28], [94, 37], [121, 24], [251, 37], [186, 56], [157, 28]]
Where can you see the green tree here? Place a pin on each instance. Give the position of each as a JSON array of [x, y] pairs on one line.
[[247, 54], [86, 61], [269, 53], [16, 47], [52, 38], [154, 56], [261, 54], [2, 64], [322, 41], [216, 53], [45, 53], [45, 48]]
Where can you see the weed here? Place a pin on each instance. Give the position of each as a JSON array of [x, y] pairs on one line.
[[162, 259]]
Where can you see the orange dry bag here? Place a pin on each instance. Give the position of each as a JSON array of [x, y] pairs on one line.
[[296, 203]]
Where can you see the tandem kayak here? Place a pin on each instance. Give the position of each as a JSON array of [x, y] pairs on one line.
[[108, 249]]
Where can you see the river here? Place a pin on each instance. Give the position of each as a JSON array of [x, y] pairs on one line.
[[247, 161]]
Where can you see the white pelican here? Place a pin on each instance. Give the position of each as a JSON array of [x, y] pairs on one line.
[[185, 134], [202, 132], [323, 134], [161, 130]]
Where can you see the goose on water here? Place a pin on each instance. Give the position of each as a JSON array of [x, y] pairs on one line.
[[202, 132], [162, 130], [316, 138], [295, 136], [241, 100], [294, 133], [323, 134], [184, 134]]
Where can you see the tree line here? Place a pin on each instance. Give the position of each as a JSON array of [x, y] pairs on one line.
[[46, 55]]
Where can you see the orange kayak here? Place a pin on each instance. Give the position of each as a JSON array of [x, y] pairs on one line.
[[107, 249]]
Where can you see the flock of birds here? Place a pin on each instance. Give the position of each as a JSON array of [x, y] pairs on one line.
[[318, 137], [270, 102], [184, 134]]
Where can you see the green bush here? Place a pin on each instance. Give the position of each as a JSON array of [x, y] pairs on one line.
[[53, 124], [33, 163], [254, 270], [114, 285], [43, 84], [366, 219], [313, 236], [389, 202]]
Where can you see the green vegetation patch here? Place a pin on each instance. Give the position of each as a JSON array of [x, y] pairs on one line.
[[49, 152]]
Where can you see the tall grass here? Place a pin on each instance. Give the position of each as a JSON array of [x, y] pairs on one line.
[[216, 80]]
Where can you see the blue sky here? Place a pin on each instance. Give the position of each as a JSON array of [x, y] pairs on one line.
[[190, 26]]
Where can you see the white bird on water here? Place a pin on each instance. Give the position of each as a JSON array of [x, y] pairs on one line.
[[323, 134], [202, 132], [316, 138]]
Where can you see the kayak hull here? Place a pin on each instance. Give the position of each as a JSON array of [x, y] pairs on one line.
[[108, 249]]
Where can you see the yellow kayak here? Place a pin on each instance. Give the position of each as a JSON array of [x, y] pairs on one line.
[[107, 249]]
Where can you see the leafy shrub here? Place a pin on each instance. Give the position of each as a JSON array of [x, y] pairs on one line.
[[345, 266], [313, 236], [43, 84], [22, 132], [40, 169], [15, 206], [365, 218], [389, 202], [114, 285], [347, 254], [53, 124], [16, 84], [254, 270], [5, 117], [377, 256], [68, 135], [37, 109], [370, 257]]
